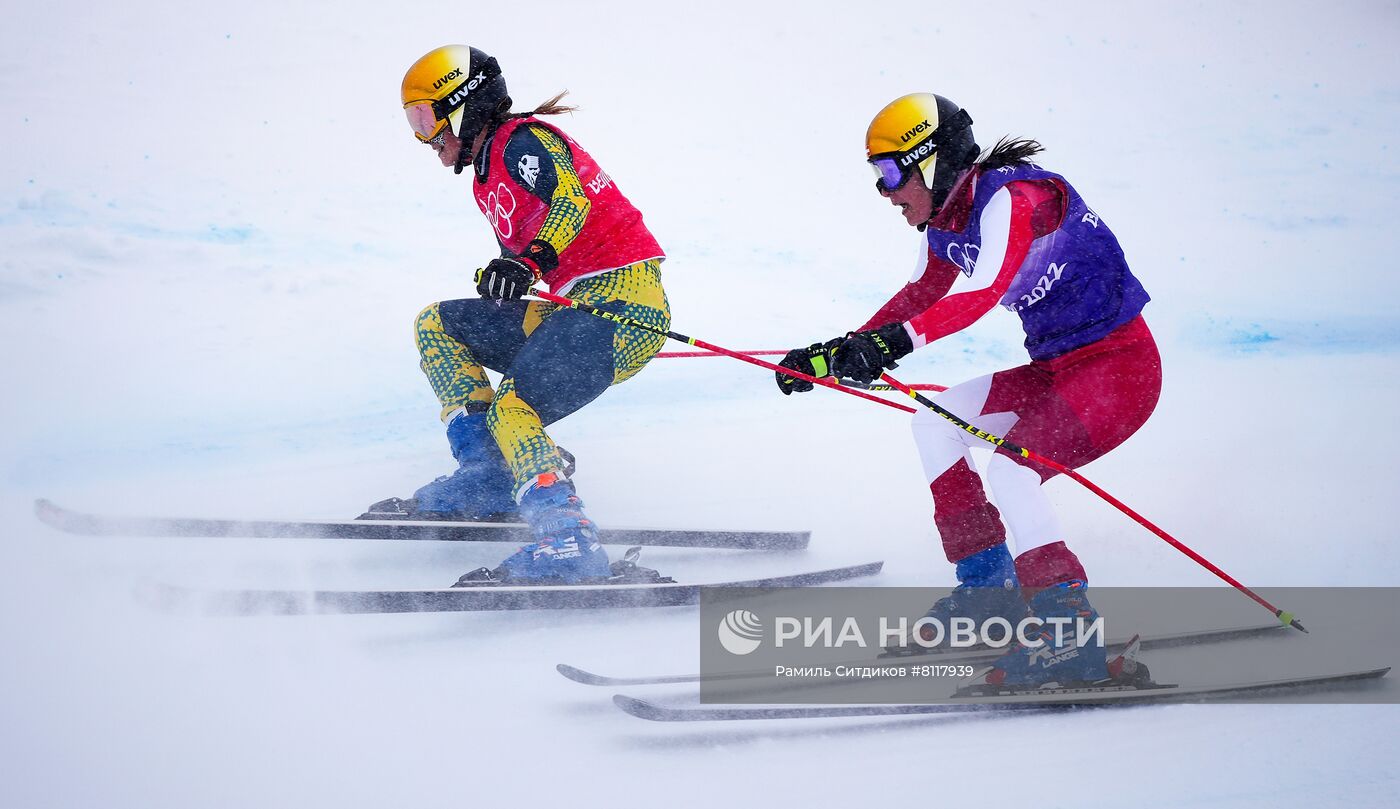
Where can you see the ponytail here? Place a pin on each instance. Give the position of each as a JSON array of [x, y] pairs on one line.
[[1011, 152], [550, 107]]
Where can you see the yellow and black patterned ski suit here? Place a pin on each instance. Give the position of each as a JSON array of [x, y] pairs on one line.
[[553, 361]]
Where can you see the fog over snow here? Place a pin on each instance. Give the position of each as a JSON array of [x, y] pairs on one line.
[[217, 230]]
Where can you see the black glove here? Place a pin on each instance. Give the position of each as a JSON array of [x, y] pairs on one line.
[[864, 355], [814, 360], [509, 277]]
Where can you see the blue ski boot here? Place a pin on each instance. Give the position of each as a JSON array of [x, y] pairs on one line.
[[566, 550], [1061, 661], [988, 588], [479, 490]]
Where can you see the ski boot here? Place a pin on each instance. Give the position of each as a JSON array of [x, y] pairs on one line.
[[1062, 659], [479, 490], [988, 589], [566, 550]]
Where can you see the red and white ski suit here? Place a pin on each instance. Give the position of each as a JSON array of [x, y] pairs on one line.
[[998, 245]]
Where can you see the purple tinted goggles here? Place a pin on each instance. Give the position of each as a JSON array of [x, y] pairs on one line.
[[889, 175], [893, 169]]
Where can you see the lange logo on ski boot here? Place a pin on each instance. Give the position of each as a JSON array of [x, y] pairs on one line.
[[560, 549], [1047, 655]]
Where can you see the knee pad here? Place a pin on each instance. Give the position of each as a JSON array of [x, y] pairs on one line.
[[428, 328], [1023, 503], [453, 372], [940, 443]]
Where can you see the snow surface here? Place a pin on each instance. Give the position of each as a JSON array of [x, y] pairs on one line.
[[217, 231]]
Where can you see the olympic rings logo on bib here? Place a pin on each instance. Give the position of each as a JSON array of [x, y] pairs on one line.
[[498, 208], [964, 256]]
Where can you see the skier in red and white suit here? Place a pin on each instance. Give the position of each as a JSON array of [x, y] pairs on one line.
[[1003, 231]]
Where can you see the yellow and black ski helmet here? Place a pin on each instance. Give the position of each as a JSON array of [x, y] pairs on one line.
[[457, 86], [920, 132]]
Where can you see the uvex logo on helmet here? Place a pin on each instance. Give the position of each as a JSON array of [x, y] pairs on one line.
[[442, 82], [919, 128], [460, 94], [925, 148]]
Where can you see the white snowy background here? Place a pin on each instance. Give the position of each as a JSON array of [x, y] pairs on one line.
[[217, 230]]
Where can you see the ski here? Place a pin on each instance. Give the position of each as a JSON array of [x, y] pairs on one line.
[[76, 522], [1052, 698], [1159, 641], [470, 599]]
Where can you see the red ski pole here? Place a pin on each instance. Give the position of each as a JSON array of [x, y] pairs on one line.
[[1286, 617], [623, 320], [670, 355], [850, 383]]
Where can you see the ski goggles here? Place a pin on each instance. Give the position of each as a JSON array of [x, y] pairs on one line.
[[423, 117], [889, 174], [893, 169]]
